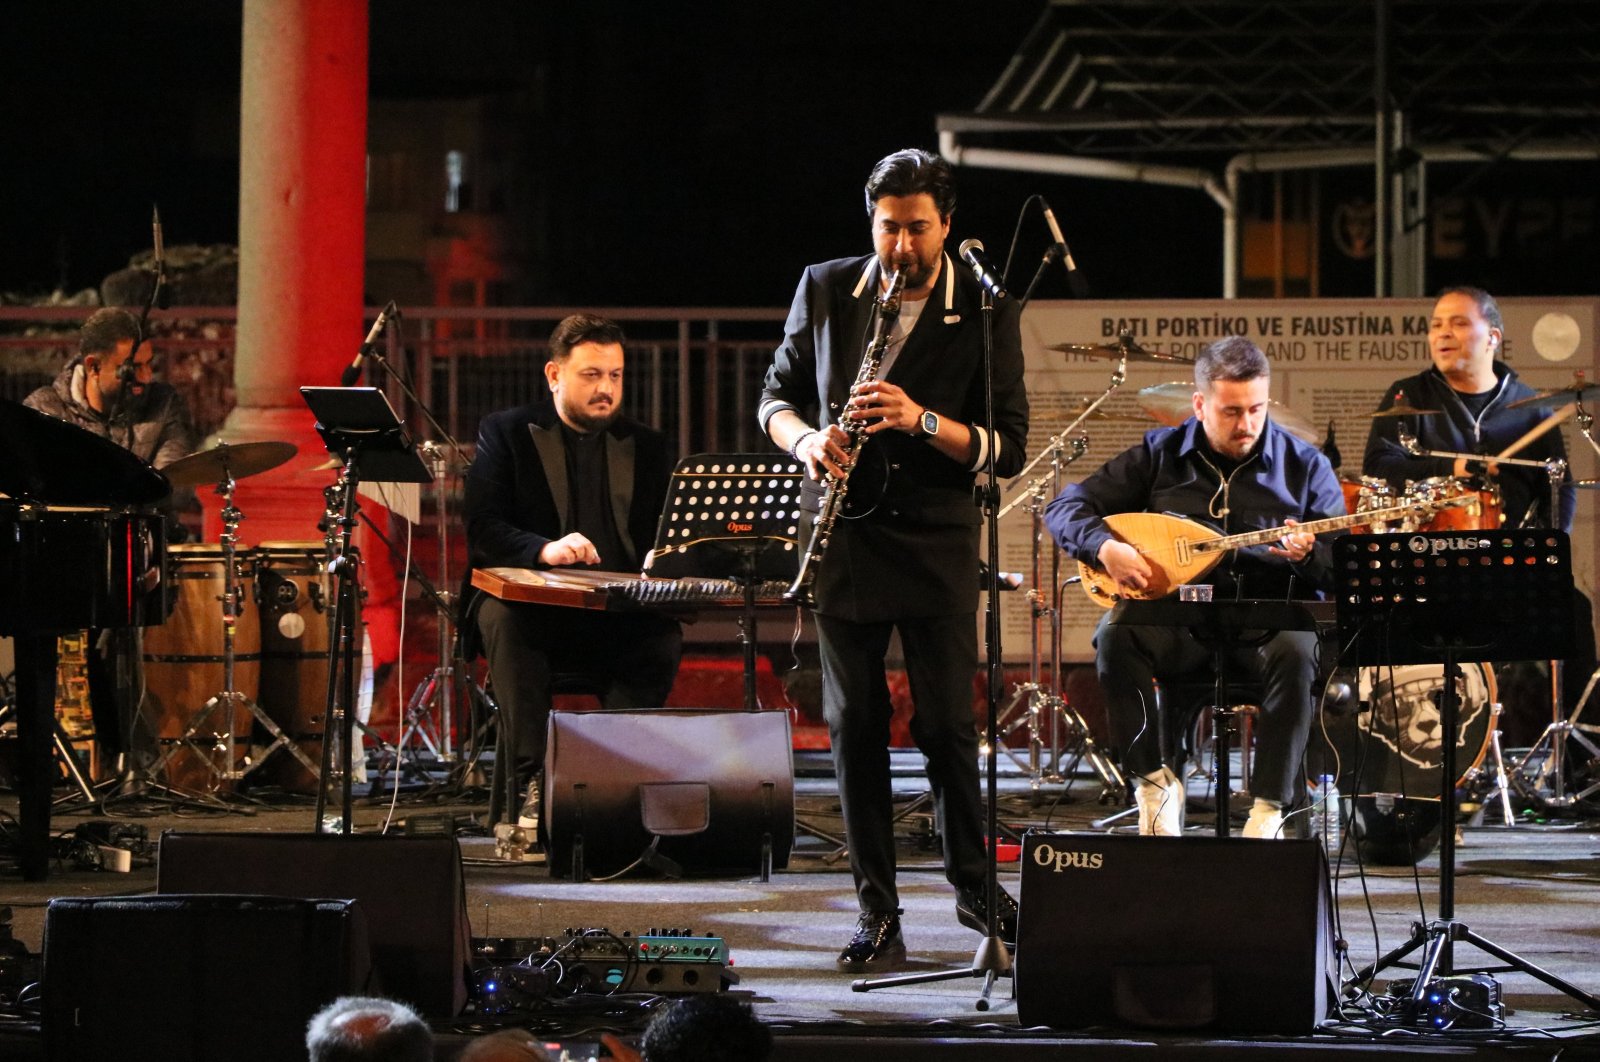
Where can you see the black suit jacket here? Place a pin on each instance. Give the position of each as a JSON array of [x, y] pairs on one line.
[[517, 491], [911, 547]]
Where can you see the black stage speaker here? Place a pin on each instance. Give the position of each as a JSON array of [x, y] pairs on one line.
[[717, 788], [1227, 934], [410, 887], [195, 978]]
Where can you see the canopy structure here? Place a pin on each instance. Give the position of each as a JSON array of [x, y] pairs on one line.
[[1194, 93]]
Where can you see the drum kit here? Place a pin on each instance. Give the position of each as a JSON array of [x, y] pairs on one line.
[[1397, 710]]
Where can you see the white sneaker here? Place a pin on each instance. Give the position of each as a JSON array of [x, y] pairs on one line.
[[1265, 821], [1161, 801], [528, 817]]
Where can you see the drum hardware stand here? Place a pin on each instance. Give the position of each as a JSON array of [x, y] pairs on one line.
[[229, 700], [1396, 617], [1036, 700], [1501, 790], [360, 428], [439, 688]]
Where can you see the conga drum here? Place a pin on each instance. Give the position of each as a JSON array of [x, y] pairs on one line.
[[294, 594], [183, 672]]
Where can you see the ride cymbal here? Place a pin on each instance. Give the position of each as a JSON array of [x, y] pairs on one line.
[[1576, 391], [1122, 348], [1402, 410], [1173, 403], [228, 459]]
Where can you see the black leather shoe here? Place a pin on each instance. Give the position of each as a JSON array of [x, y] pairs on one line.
[[972, 911], [877, 944]]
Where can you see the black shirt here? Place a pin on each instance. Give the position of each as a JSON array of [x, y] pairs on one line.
[[589, 498]]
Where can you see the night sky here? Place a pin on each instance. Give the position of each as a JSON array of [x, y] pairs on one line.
[[694, 153]]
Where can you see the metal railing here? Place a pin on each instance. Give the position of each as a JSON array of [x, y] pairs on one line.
[[693, 372]]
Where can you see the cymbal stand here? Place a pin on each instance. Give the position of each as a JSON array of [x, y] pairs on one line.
[[1037, 700], [1548, 780], [438, 688], [227, 703], [1041, 701]]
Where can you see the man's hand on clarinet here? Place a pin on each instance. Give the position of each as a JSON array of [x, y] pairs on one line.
[[569, 550], [823, 448], [885, 406]]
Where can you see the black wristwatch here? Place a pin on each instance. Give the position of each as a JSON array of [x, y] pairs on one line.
[[927, 425]]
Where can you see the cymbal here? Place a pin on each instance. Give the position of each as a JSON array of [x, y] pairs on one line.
[[1123, 347], [1400, 409], [1587, 484], [228, 459], [1576, 391], [1106, 417], [1173, 403]]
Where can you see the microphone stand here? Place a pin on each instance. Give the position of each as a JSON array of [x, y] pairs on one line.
[[992, 959], [439, 687]]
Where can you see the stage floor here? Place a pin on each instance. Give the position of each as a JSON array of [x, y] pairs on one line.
[[1531, 887]]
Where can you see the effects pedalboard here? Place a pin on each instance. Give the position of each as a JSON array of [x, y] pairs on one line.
[[1462, 1002], [518, 973]]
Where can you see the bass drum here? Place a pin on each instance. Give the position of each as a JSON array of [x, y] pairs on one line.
[[1387, 736]]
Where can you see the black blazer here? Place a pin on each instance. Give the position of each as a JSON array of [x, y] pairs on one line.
[[909, 544], [517, 490], [940, 366]]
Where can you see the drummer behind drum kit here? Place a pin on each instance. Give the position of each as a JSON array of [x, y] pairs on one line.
[[245, 645]]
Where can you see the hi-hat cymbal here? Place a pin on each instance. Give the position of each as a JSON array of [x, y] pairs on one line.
[[1400, 409], [1576, 391], [228, 459], [1123, 347], [1173, 403]]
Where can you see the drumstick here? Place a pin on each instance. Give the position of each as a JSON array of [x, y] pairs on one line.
[[1539, 429]]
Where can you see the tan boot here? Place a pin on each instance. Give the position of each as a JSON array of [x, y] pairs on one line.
[[1265, 821], [1160, 797]]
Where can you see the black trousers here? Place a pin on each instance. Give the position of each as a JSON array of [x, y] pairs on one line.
[[1129, 659], [631, 656], [941, 655]]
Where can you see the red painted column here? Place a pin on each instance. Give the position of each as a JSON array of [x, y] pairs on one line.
[[302, 244]]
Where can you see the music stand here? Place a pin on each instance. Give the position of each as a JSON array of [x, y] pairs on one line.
[[359, 427], [732, 516], [1421, 598]]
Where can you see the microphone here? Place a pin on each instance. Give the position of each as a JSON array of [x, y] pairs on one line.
[[161, 257], [352, 372], [1080, 287], [972, 252]]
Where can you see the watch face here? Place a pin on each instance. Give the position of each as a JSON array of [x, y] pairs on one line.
[[930, 422]]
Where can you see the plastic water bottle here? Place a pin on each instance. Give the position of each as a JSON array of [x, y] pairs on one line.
[[1328, 808]]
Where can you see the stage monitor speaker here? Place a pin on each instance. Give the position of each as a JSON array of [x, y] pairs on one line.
[[411, 888], [715, 786], [1225, 934], [195, 978]]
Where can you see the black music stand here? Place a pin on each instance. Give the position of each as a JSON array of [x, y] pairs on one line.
[[1419, 598], [361, 429], [1222, 627], [732, 516]]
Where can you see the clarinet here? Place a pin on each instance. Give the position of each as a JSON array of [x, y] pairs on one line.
[[836, 487]]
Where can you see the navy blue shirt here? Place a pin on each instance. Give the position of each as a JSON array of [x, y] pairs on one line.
[[1174, 471]]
